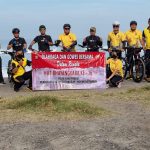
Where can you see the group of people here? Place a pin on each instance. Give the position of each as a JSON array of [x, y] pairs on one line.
[[68, 41]]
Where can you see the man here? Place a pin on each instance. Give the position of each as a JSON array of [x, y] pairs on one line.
[[134, 40], [93, 42], [68, 39], [17, 43], [134, 36], [44, 41], [116, 40], [1, 75], [146, 40], [19, 74]]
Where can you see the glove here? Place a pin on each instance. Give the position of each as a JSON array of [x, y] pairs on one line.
[[24, 50], [57, 42]]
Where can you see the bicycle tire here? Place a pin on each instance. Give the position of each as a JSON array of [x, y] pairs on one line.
[[138, 73]]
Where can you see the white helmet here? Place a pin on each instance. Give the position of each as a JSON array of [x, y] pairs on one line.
[[116, 23]]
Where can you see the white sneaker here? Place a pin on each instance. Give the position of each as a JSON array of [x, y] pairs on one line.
[[107, 86], [119, 85]]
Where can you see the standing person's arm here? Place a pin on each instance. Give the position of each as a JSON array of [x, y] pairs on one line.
[[100, 42], [84, 41], [24, 44], [50, 41], [10, 45], [141, 40], [123, 39], [32, 43], [109, 43], [74, 42]]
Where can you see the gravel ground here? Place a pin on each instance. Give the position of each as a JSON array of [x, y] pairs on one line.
[[128, 129]]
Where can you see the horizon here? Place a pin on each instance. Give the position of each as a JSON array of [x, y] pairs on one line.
[[28, 15]]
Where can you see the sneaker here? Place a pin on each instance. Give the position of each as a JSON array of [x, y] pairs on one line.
[[119, 85], [16, 90], [129, 78], [107, 86], [2, 83]]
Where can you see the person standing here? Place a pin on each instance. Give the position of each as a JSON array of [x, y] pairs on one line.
[[146, 40], [93, 42], [67, 39], [44, 41], [116, 40]]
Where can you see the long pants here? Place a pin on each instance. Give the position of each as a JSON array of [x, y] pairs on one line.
[[147, 58], [22, 79], [115, 80], [1, 75]]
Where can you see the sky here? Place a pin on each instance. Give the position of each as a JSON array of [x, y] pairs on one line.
[[81, 14]]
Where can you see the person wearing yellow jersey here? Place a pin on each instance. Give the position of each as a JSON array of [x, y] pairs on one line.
[[146, 40], [68, 39], [134, 40], [19, 74], [116, 40], [114, 71], [134, 36]]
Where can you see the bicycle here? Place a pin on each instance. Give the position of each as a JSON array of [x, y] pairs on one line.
[[134, 65]]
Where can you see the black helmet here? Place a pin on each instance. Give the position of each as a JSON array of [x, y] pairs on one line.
[[149, 20], [133, 22], [42, 27], [15, 30], [67, 26]]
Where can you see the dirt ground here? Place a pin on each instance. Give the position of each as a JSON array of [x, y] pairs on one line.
[[127, 129]]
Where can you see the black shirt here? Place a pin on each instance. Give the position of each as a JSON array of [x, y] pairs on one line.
[[17, 44], [93, 43], [43, 42]]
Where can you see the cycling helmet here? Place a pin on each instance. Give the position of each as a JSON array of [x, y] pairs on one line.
[[116, 23], [67, 26], [15, 30], [133, 22], [42, 27]]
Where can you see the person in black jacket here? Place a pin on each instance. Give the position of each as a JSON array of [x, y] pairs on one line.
[[93, 42], [44, 41]]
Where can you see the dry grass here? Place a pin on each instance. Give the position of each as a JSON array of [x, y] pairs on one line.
[[47, 108]]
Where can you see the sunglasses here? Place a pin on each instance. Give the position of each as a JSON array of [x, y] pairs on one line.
[[67, 28], [115, 26], [92, 31], [16, 32]]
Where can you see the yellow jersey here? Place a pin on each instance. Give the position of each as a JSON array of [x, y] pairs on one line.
[[134, 37], [21, 69], [146, 36], [67, 40], [116, 65], [116, 39]]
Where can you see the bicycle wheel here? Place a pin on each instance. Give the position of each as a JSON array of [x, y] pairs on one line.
[[138, 70]]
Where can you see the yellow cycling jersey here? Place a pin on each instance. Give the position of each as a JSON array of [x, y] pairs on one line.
[[134, 37], [116, 65], [67, 40], [21, 69], [116, 39], [146, 35]]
